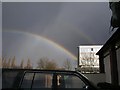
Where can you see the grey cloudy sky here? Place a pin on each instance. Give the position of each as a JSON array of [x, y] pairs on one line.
[[67, 24]]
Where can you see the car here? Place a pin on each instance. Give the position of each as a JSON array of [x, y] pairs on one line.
[[32, 79]]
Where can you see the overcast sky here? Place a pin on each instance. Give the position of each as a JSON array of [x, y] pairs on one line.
[[67, 24]]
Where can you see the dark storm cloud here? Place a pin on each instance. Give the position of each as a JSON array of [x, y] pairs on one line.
[[25, 15], [68, 24]]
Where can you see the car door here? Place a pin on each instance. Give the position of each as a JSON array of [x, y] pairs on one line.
[[68, 81], [48, 80], [37, 81]]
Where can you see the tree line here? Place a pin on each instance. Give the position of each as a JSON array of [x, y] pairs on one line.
[[11, 63], [43, 63]]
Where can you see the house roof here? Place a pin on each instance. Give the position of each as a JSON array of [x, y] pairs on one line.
[[113, 39]]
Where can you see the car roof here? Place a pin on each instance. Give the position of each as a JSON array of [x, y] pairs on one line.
[[35, 70]]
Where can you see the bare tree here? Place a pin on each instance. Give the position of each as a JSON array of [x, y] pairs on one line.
[[51, 65], [29, 66], [9, 63], [4, 63], [21, 64], [13, 63], [45, 63], [42, 63], [67, 65]]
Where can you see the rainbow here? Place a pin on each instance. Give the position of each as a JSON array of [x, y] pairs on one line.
[[45, 39]]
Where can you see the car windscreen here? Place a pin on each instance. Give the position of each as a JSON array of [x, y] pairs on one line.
[[10, 79]]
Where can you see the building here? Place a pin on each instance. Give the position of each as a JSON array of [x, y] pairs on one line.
[[109, 56], [88, 61]]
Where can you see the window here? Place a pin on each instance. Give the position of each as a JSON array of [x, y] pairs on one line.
[[8, 79], [37, 80], [27, 81], [69, 81], [42, 80]]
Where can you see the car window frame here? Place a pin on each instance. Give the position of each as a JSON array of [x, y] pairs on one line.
[[56, 72]]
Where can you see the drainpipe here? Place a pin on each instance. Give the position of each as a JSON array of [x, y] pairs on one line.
[[113, 64]]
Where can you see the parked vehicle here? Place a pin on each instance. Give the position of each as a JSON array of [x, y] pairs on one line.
[[45, 79]]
